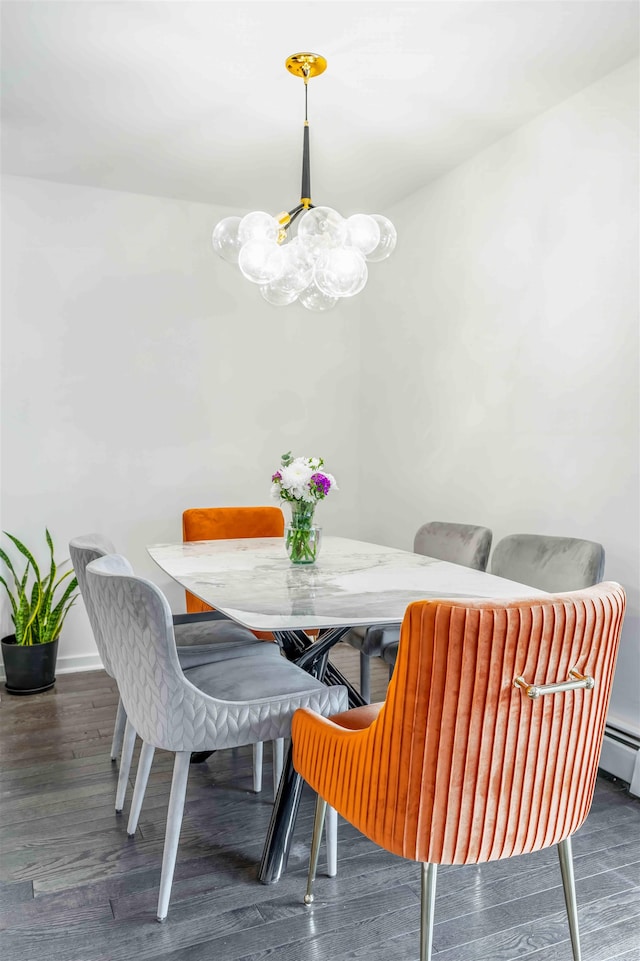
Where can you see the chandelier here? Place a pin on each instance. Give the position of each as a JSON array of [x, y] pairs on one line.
[[325, 257]]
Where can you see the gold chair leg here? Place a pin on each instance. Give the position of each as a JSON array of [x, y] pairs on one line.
[[569, 885], [318, 824], [427, 909]]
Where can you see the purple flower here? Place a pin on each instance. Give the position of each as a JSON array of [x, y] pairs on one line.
[[276, 477], [319, 485]]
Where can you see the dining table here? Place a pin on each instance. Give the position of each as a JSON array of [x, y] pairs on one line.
[[309, 607]]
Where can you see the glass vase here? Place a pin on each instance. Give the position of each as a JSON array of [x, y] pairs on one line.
[[302, 538]]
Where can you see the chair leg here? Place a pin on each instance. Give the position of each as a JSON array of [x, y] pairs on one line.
[[142, 776], [365, 676], [331, 833], [427, 909], [172, 833], [118, 730], [568, 883], [128, 743], [258, 751], [318, 824], [278, 762]]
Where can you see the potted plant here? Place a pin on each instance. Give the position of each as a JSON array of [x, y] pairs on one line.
[[39, 607]]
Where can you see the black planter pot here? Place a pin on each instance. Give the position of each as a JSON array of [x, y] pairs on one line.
[[29, 670]]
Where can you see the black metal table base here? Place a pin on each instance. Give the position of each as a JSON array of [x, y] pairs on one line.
[[313, 656]]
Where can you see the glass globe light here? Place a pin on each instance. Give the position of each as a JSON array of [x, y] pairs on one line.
[[299, 263], [258, 226], [276, 295], [261, 261], [314, 299], [341, 272], [323, 226], [225, 240], [324, 257], [388, 238], [363, 232]]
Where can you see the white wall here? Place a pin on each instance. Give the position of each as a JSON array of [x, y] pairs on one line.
[[495, 382], [142, 375], [500, 348]]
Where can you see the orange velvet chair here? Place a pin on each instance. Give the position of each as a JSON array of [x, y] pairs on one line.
[[212, 523], [466, 761]]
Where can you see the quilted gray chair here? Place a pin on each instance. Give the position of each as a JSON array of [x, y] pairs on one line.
[[199, 642], [549, 563], [464, 544], [226, 704]]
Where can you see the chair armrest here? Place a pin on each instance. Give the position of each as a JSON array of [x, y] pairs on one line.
[[324, 749]]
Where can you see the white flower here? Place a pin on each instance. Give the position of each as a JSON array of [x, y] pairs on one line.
[[292, 480], [332, 480], [275, 491], [295, 479]]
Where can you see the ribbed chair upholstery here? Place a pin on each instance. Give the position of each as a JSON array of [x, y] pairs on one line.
[[459, 765], [227, 704], [213, 523], [198, 643], [549, 563], [464, 544]]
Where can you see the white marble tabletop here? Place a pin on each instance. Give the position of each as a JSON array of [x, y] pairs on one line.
[[352, 583]]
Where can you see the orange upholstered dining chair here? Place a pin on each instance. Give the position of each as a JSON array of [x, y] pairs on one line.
[[488, 742], [212, 523]]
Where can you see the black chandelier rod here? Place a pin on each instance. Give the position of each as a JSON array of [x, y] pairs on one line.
[[305, 190]]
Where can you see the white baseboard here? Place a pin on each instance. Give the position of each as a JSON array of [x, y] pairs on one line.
[[621, 757], [71, 664], [79, 662]]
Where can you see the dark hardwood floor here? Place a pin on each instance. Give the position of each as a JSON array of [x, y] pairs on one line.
[[73, 887]]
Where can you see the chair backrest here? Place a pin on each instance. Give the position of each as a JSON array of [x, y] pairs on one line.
[[212, 523], [135, 617], [83, 550], [463, 544], [465, 767], [549, 563]]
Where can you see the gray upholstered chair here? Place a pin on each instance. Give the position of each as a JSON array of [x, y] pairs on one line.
[[198, 642], [227, 704], [549, 563], [464, 544]]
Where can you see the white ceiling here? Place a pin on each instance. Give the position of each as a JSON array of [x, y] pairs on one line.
[[191, 99]]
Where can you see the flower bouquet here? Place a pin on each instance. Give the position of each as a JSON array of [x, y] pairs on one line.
[[302, 482]]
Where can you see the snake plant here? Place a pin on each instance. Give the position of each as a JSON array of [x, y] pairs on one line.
[[39, 604]]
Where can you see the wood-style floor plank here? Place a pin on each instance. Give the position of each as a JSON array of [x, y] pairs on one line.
[[74, 887]]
